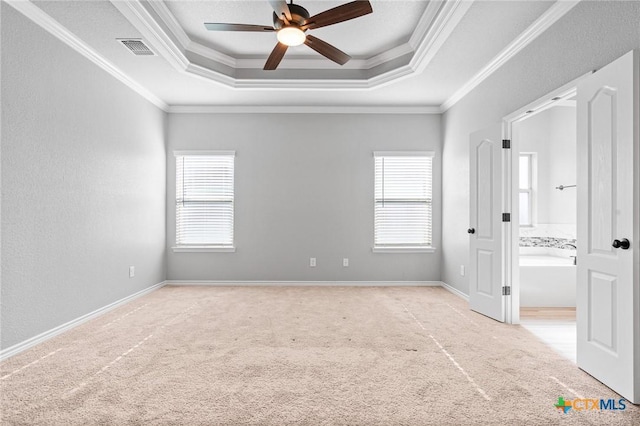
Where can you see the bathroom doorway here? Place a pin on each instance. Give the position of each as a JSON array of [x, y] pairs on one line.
[[546, 223], [607, 336]]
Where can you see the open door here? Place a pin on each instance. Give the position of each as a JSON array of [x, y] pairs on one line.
[[485, 225], [608, 288]]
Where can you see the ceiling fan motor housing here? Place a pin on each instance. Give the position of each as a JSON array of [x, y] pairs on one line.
[[299, 16]]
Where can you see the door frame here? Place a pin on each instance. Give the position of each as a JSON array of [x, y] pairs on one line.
[[510, 237]]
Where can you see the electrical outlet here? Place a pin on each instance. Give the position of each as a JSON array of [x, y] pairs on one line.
[[132, 271], [462, 270], [345, 262], [312, 262]]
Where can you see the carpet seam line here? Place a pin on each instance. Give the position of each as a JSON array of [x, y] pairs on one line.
[[455, 363]]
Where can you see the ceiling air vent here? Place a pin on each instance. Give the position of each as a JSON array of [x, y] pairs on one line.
[[136, 46]]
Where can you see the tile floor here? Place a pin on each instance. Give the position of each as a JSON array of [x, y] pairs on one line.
[[554, 326]]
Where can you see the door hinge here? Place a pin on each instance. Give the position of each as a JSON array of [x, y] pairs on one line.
[[506, 217], [506, 291], [506, 143]]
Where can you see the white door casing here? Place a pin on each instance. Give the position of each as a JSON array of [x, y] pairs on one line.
[[485, 224], [608, 289]]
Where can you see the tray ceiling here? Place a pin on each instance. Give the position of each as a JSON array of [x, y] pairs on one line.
[[391, 25], [408, 53]]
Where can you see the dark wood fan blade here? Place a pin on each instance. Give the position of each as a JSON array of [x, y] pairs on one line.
[[327, 50], [237, 27], [276, 56], [280, 7], [341, 13]]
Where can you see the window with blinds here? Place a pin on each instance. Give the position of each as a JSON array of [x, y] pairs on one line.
[[403, 194], [526, 199], [204, 199]]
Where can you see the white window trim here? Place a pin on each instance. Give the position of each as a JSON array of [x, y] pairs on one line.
[[181, 153], [404, 154], [404, 248], [532, 190], [204, 248]]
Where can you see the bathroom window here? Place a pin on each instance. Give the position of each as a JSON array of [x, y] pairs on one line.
[[527, 175], [402, 207]]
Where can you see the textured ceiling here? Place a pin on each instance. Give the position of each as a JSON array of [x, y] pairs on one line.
[[391, 24], [485, 29]]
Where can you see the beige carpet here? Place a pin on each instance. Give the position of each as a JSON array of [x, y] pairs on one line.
[[297, 355]]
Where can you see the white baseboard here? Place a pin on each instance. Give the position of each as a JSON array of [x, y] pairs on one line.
[[19, 347], [454, 291], [306, 283]]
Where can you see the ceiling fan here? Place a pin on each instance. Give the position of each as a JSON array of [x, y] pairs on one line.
[[291, 21]]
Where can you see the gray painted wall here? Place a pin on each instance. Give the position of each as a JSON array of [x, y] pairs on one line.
[[304, 188], [551, 134], [83, 184], [592, 35]]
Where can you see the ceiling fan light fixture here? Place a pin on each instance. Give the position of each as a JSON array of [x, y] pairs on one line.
[[290, 21], [291, 36]]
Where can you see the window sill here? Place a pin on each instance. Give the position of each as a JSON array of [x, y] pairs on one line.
[[203, 249], [404, 249]]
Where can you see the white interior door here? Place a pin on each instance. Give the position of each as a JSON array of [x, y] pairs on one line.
[[485, 225], [608, 293]]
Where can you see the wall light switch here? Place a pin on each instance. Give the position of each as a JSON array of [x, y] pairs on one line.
[[312, 262], [462, 270], [132, 271], [345, 262]]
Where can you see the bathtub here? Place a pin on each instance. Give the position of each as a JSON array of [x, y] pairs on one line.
[[544, 260], [547, 280]]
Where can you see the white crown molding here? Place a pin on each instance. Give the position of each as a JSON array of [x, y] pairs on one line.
[[550, 17], [425, 22], [275, 85], [315, 63], [447, 17], [442, 20], [445, 21], [171, 22], [56, 29], [207, 52], [435, 25], [186, 44], [136, 13], [275, 109], [212, 54], [392, 76], [210, 75], [301, 63], [307, 63], [309, 84], [388, 55]]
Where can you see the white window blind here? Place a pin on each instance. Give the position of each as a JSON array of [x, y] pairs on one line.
[[403, 196], [204, 199]]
